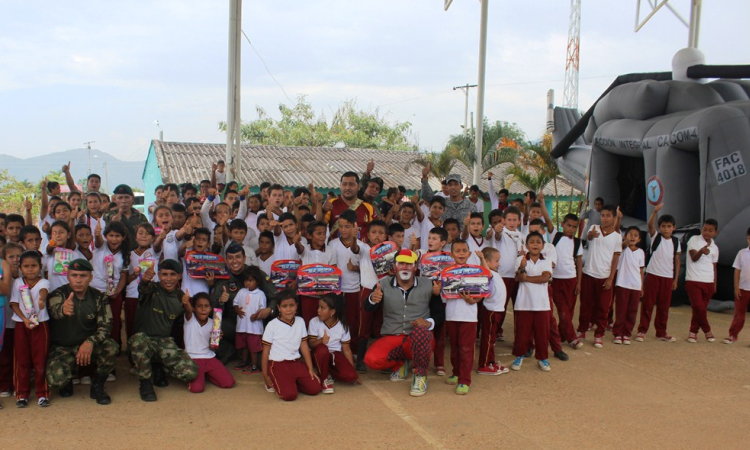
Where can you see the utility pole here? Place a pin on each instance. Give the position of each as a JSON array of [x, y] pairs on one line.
[[465, 88], [88, 145], [480, 91], [232, 154], [106, 177]]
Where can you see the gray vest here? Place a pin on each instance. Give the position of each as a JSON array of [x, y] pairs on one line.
[[398, 312]]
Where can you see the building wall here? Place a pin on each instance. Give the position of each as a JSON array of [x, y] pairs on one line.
[[151, 176]]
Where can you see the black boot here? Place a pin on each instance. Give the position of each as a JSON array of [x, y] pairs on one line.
[[147, 391], [361, 350], [160, 378], [97, 390], [67, 390]]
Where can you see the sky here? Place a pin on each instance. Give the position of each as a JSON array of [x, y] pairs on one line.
[[78, 71]]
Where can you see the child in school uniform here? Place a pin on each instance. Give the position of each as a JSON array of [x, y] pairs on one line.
[[436, 241], [315, 252], [508, 240], [287, 237], [566, 278], [628, 287], [247, 303], [700, 278], [11, 252], [472, 234], [461, 327], [142, 256], [284, 344], [265, 255], [430, 219], [198, 244], [329, 338], [453, 228], [661, 276], [412, 231], [57, 255], [345, 247], [489, 319], [532, 304], [741, 291], [31, 340], [197, 336]]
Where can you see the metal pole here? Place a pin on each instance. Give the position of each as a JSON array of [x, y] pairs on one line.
[[480, 91], [695, 23], [231, 88], [466, 110], [238, 90]]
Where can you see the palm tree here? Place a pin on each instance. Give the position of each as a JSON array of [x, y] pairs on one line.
[[499, 145], [441, 164]]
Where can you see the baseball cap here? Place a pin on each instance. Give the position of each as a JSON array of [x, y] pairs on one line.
[[406, 256], [80, 265], [453, 177], [123, 189]]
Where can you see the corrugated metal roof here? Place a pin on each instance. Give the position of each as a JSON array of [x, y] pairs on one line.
[[182, 162]]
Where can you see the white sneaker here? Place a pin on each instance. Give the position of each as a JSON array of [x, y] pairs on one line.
[[329, 380], [617, 340], [76, 381], [269, 388], [5, 394], [110, 377], [85, 381]]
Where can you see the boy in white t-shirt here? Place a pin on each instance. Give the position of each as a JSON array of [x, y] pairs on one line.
[[345, 247], [566, 278], [661, 279], [248, 301], [509, 241], [430, 219], [629, 286], [472, 234], [412, 232], [489, 315], [700, 277], [741, 291], [605, 246]]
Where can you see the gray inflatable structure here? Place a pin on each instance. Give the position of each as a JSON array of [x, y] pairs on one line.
[[693, 136]]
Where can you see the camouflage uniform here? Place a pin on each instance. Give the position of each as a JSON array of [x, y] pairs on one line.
[[157, 311], [91, 322]]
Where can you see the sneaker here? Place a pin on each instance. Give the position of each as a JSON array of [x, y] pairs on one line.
[[692, 338], [598, 342], [22, 403], [517, 363], [640, 337], [418, 386], [440, 371], [490, 369], [666, 338], [617, 340], [500, 338], [76, 381], [43, 402], [710, 337], [241, 365], [452, 380], [576, 344], [462, 389], [361, 367], [591, 327], [730, 340], [581, 336], [327, 387], [529, 352], [269, 388], [400, 374], [251, 370], [562, 356], [501, 369], [86, 381], [5, 394], [625, 340], [544, 365], [610, 326], [110, 377]]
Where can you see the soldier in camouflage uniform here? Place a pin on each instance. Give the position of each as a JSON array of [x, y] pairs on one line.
[[80, 324], [159, 306]]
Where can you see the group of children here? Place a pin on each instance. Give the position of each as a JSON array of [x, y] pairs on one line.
[[307, 343]]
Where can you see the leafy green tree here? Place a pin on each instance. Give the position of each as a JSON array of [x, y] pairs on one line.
[[13, 193], [441, 164], [500, 144]]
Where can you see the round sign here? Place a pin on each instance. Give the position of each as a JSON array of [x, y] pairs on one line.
[[654, 190]]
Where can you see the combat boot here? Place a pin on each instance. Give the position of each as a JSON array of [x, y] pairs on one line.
[[361, 351], [160, 378], [67, 390], [97, 390], [147, 391]]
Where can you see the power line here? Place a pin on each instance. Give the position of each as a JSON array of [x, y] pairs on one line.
[[266, 66]]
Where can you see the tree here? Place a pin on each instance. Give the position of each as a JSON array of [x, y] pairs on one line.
[[301, 126], [499, 145], [13, 193], [441, 164]]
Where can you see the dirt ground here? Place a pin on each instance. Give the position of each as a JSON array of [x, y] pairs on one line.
[[648, 395]]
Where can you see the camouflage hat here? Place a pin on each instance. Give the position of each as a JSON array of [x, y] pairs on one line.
[[80, 265]]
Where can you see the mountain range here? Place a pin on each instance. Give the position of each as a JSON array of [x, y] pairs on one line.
[[117, 171]]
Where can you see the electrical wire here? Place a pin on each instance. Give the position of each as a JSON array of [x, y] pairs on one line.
[[265, 65]]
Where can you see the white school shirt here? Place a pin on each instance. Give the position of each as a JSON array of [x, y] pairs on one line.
[[251, 219], [742, 263], [344, 254], [57, 280], [662, 260], [170, 246], [92, 222], [479, 204], [509, 245], [367, 276], [265, 266], [629, 269], [99, 282], [131, 290], [284, 338], [424, 231], [221, 177], [496, 301], [251, 302], [15, 297], [408, 232], [474, 245], [533, 296], [601, 251], [702, 270], [190, 284], [197, 338], [284, 250], [325, 256], [337, 335], [565, 268]]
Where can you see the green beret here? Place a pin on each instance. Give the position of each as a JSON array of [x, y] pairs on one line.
[[80, 265], [171, 264], [123, 189]]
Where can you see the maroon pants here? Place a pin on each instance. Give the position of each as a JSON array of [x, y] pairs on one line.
[[700, 294], [656, 291], [511, 289], [6, 361], [369, 322], [30, 352], [333, 363], [595, 303], [115, 304], [462, 336], [563, 296], [554, 334], [439, 353], [532, 325], [308, 307], [740, 310], [291, 377], [351, 311], [489, 322], [213, 370], [626, 306], [131, 306], [390, 352]]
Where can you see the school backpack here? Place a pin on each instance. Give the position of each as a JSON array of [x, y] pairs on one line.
[[576, 243], [655, 244]]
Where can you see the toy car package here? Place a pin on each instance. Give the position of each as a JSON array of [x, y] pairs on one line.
[[318, 279], [284, 272], [475, 280], [213, 342], [383, 257], [198, 264], [433, 263]]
